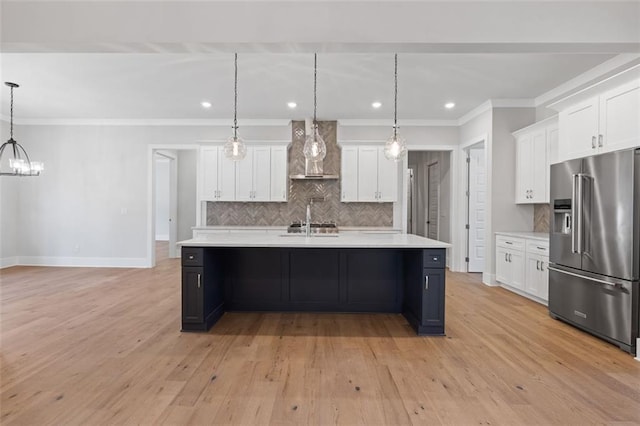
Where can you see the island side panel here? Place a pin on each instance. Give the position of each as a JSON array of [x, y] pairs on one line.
[[424, 286]]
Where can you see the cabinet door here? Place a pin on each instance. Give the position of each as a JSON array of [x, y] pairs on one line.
[[244, 177], [543, 288], [261, 173], [367, 173], [579, 130], [516, 269], [532, 275], [538, 160], [226, 177], [524, 168], [192, 294], [552, 157], [349, 174], [433, 298], [209, 173], [279, 178], [502, 266], [620, 117], [387, 178]]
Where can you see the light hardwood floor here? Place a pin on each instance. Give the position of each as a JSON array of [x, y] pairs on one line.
[[103, 346]]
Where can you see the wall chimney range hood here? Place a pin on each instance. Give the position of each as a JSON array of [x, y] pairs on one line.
[[313, 170]]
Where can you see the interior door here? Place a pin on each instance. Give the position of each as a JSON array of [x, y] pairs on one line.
[[477, 209], [433, 205]]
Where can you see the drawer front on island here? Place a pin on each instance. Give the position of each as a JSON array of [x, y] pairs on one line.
[[192, 256]]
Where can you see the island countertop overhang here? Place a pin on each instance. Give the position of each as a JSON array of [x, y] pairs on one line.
[[355, 240]]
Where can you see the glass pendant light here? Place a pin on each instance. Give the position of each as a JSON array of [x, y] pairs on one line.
[[395, 147], [314, 147], [235, 149], [19, 162]]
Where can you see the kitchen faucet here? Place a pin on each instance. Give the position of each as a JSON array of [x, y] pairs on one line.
[[308, 224]]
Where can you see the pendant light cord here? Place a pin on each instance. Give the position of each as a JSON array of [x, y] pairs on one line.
[[235, 99], [11, 128], [395, 99], [315, 78]]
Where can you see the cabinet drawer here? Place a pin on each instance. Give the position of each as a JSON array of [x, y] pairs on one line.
[[510, 243], [192, 256], [434, 258], [538, 247]]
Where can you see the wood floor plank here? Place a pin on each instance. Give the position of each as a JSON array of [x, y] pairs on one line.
[[103, 346]]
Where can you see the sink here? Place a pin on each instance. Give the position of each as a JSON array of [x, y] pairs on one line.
[[327, 228]]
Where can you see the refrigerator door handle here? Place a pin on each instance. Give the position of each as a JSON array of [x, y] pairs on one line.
[[603, 282], [574, 212], [580, 213]]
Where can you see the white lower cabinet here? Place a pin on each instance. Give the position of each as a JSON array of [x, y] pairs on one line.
[[521, 265]]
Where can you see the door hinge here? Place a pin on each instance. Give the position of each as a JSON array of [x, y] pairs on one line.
[[466, 259], [466, 226], [466, 193], [468, 159]]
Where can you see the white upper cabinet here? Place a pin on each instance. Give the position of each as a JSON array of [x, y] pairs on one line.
[[260, 176], [218, 175], [367, 175], [253, 175], [349, 174], [279, 178], [534, 145], [608, 121]]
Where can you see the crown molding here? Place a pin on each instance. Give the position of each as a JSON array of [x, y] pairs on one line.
[[613, 65], [479, 110], [149, 122], [401, 123]]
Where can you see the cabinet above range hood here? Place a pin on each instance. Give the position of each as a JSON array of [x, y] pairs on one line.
[[313, 170]]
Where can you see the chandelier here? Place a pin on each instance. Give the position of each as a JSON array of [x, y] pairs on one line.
[[19, 162]]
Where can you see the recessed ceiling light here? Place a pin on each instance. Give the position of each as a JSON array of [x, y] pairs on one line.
[[205, 104], [292, 105], [376, 104], [449, 105]]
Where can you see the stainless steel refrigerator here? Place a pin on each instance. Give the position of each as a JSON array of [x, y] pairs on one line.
[[594, 250]]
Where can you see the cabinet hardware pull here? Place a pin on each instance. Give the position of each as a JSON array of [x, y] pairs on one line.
[[538, 265], [542, 266], [191, 257], [541, 248], [508, 242], [198, 280], [509, 257], [600, 141], [593, 142], [506, 257], [426, 282]]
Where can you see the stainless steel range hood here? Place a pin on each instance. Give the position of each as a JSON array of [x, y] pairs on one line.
[[312, 169]]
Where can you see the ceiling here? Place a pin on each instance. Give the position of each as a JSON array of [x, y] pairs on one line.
[[172, 85], [159, 59]]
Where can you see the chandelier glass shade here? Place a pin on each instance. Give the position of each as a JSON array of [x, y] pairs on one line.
[[314, 147], [16, 162], [396, 147], [235, 148]]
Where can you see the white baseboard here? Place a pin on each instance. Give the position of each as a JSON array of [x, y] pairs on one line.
[[6, 262], [489, 279], [637, 358], [92, 262]]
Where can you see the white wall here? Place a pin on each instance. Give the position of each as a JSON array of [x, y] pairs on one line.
[[187, 160], [9, 213], [163, 181], [414, 135], [90, 206]]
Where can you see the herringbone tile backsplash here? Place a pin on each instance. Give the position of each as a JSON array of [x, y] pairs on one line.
[[330, 210], [541, 214]]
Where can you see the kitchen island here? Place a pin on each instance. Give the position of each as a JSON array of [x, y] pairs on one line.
[[359, 272]]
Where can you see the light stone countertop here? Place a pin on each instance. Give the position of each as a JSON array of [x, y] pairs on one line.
[[542, 236], [349, 240]]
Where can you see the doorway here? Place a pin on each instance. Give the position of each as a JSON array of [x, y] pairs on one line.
[[476, 207], [173, 206]]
